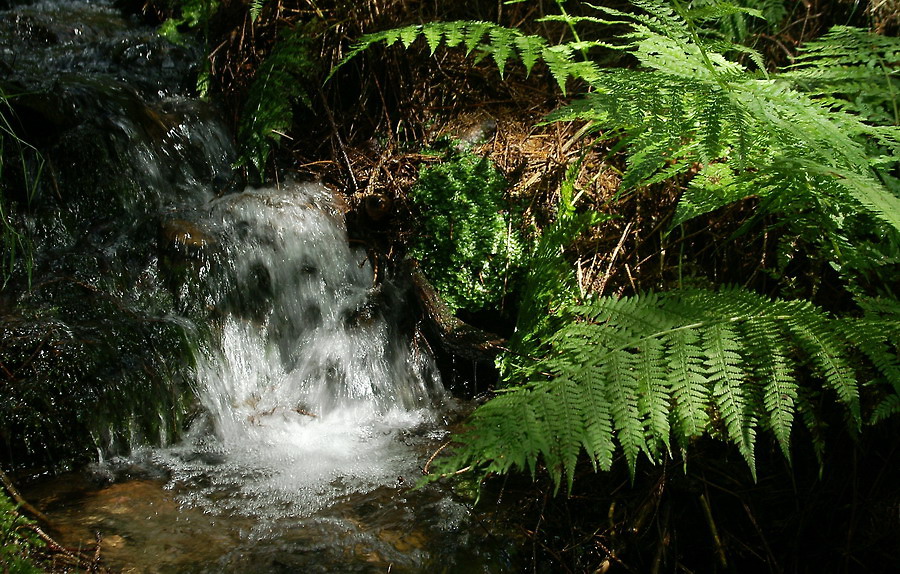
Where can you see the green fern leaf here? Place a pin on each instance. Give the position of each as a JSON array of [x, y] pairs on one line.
[[773, 366], [277, 88], [715, 186], [409, 35], [852, 68], [622, 393], [869, 193], [563, 405], [502, 438], [559, 60], [724, 370], [597, 420], [690, 394], [828, 355], [888, 407], [877, 338], [653, 396], [473, 32], [531, 48], [643, 371], [434, 35], [502, 46]]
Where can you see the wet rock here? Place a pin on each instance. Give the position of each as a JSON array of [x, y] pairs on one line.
[[185, 236], [403, 541], [475, 133], [378, 206]]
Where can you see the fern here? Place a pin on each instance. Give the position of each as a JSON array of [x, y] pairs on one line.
[[653, 370], [278, 88], [689, 103], [852, 70], [877, 335], [736, 22], [643, 375], [191, 15], [256, 8], [549, 282]]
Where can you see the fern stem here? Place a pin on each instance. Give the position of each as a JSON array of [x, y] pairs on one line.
[[704, 56], [571, 25], [720, 548], [890, 87]]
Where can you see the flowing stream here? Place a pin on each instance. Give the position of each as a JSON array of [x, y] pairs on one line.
[[313, 403], [310, 390]]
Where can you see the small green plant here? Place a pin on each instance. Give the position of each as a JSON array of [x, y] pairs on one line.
[[17, 541], [468, 246], [280, 85], [192, 14]]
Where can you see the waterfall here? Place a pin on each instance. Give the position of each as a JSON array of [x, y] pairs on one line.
[[256, 392], [308, 382], [310, 386]]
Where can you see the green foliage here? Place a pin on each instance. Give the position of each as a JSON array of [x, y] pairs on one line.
[[256, 7], [280, 85], [851, 69], [17, 541], [645, 374], [16, 245], [468, 246], [816, 144], [549, 281], [687, 103], [740, 20], [192, 14]]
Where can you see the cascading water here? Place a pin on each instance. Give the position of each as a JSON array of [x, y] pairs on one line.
[[309, 383], [312, 402]]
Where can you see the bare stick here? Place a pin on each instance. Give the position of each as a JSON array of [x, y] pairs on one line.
[[14, 493]]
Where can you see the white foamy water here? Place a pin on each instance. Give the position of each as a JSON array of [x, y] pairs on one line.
[[310, 390]]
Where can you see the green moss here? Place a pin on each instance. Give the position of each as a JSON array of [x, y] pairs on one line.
[[17, 542], [468, 246]]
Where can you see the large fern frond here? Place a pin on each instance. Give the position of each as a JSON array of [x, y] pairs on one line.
[[688, 103], [650, 370]]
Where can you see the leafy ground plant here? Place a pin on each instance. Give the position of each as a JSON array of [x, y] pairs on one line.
[[468, 247], [647, 373], [17, 541]]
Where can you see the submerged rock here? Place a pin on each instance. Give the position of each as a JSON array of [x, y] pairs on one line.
[[185, 236]]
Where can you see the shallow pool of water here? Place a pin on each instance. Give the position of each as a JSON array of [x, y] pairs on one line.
[[147, 522]]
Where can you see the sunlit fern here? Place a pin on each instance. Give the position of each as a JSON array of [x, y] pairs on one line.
[[648, 374], [689, 104], [645, 375]]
